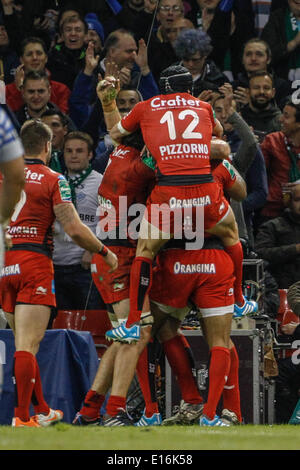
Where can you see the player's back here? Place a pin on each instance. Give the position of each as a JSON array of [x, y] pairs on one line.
[[31, 222], [177, 129], [125, 177]]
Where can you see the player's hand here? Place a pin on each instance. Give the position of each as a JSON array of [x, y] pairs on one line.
[[289, 328], [206, 95], [107, 89], [86, 260], [112, 260]]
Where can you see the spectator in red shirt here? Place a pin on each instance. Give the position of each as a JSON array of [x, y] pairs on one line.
[[34, 58], [282, 157]]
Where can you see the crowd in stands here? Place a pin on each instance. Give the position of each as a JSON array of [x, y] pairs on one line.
[[53, 53]]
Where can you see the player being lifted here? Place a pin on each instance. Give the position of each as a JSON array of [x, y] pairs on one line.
[[177, 129]]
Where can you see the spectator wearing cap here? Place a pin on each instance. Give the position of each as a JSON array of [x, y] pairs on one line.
[[34, 57], [95, 32], [67, 58]]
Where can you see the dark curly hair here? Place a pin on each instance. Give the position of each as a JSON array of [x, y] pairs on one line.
[[191, 41]]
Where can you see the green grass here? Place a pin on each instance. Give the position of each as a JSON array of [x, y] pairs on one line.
[[67, 437]]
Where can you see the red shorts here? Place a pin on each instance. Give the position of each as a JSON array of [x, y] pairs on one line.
[[204, 277], [174, 208], [113, 286], [27, 278]]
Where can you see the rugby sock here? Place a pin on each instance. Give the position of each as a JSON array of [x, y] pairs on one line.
[[179, 355], [236, 254], [218, 373], [92, 404], [115, 404], [24, 376], [38, 401], [140, 284], [145, 370], [231, 392]]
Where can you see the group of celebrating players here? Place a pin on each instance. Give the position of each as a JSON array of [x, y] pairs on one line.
[[167, 160]]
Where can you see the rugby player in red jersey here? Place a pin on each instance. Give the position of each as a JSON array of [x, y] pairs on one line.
[[208, 279], [27, 286], [177, 129]]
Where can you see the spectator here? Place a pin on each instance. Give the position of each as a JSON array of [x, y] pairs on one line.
[[120, 47], [257, 58], [288, 380], [261, 113], [283, 36], [281, 152], [193, 48], [59, 125], [147, 21], [36, 94], [126, 99], [132, 67], [73, 282], [179, 25], [246, 157], [293, 297], [229, 29], [161, 53], [34, 57], [278, 241], [9, 60], [67, 59], [95, 32]]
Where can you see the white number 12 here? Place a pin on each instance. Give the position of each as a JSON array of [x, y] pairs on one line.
[[168, 117]]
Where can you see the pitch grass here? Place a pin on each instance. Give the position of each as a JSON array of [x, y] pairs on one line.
[[66, 437]]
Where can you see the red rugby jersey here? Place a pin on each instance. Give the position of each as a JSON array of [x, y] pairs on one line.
[[126, 181], [177, 130], [31, 223]]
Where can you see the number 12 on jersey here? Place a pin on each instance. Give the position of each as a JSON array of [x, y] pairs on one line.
[[189, 133]]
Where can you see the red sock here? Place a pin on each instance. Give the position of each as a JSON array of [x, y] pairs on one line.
[[24, 374], [218, 373], [146, 377], [236, 254], [176, 350], [231, 392], [114, 404], [140, 284], [92, 404], [38, 400]]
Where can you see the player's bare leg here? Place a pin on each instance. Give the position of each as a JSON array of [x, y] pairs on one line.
[[29, 324], [227, 231]]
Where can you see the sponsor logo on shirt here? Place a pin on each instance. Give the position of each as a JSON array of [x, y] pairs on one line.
[[11, 270], [157, 102], [41, 290], [175, 203], [208, 268]]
